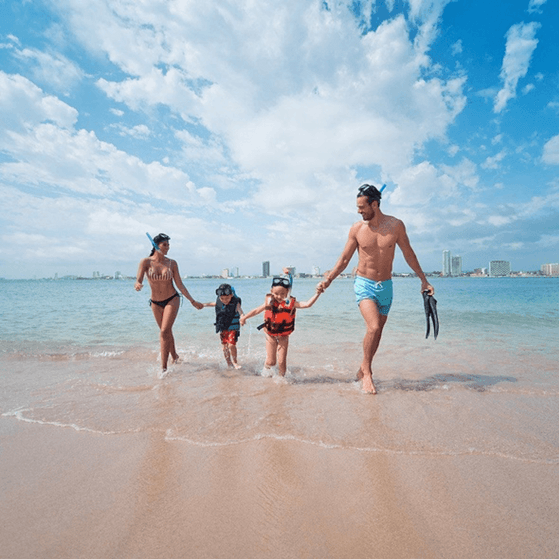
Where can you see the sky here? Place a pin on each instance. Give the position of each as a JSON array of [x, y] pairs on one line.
[[243, 129]]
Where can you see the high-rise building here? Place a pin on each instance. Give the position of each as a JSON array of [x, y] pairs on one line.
[[225, 273], [266, 269], [550, 269], [499, 268], [446, 264], [456, 266], [316, 271]]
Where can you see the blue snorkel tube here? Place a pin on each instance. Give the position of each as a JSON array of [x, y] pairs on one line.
[[153, 242]]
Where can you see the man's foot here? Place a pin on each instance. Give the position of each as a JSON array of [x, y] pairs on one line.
[[176, 360], [359, 375], [368, 386]]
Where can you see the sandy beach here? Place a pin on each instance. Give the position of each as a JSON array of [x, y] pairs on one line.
[[70, 494]]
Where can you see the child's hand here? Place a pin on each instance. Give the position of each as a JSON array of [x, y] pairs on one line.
[[242, 320]]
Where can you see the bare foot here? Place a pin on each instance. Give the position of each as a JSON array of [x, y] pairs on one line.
[[368, 386], [162, 374], [236, 365], [359, 375], [176, 360]]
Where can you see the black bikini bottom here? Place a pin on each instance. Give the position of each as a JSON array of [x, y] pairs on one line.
[[165, 301]]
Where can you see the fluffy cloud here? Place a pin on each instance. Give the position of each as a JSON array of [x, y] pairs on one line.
[[520, 44], [550, 151]]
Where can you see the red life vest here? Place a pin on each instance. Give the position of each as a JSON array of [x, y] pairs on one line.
[[280, 318]]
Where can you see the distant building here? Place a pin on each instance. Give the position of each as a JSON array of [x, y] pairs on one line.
[[550, 269], [225, 273], [266, 269], [446, 264], [316, 271], [291, 270], [456, 266], [499, 268], [235, 272]]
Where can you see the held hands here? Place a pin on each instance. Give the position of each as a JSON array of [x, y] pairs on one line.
[[242, 320], [197, 304]]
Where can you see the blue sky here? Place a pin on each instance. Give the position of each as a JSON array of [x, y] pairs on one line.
[[242, 129]]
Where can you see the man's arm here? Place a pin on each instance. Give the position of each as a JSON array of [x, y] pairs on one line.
[[410, 257], [344, 259]]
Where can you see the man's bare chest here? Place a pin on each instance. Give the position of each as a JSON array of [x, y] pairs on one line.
[[374, 239]]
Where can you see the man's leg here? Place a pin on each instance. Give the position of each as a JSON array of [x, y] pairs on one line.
[[375, 322]]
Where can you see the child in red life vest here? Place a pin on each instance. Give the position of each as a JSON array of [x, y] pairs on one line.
[[228, 312], [279, 321]]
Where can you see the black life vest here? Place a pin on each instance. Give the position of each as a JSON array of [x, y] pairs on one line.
[[227, 317]]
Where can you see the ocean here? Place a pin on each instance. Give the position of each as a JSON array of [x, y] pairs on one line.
[[76, 353], [81, 357]]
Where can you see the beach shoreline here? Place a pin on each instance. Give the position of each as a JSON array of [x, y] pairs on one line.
[[74, 494]]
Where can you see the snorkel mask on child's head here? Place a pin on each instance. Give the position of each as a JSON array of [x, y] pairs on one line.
[[224, 290], [284, 282], [281, 281]]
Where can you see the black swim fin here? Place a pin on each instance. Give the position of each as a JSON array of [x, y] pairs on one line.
[[430, 308]]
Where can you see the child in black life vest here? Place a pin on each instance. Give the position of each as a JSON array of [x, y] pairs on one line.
[[228, 312], [279, 322]]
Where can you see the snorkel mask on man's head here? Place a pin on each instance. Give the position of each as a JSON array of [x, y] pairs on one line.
[[371, 192]]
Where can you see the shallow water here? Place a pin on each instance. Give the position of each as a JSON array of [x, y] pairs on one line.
[[84, 355]]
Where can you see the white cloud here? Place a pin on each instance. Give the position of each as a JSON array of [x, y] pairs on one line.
[[53, 69], [550, 151], [493, 162], [457, 47], [535, 6], [520, 45]]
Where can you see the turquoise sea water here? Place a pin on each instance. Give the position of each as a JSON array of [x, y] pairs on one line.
[[84, 355]]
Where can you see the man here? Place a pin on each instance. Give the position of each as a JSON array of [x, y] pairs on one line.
[[375, 237]]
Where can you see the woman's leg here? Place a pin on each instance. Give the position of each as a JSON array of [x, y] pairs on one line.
[[165, 318]]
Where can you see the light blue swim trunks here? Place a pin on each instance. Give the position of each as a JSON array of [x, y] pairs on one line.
[[380, 292]]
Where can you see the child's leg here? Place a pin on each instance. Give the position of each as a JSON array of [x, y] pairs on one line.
[[283, 342], [271, 347], [225, 348], [227, 356], [233, 353]]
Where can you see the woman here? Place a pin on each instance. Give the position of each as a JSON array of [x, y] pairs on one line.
[[161, 273]]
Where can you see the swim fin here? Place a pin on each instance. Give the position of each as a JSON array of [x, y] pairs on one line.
[[430, 308]]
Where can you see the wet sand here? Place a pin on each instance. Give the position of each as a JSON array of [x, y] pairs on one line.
[[76, 494]]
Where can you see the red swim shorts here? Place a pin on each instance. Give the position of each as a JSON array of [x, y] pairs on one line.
[[229, 337]]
